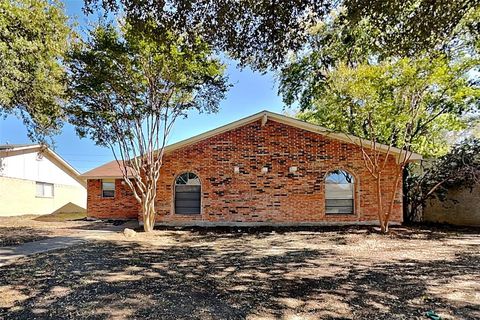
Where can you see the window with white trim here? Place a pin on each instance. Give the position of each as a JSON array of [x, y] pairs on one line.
[[44, 190], [339, 192], [108, 188]]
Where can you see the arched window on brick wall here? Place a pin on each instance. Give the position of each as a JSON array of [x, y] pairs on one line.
[[339, 192], [187, 194]]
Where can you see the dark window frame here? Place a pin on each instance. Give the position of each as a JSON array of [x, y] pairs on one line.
[[113, 191], [188, 193]]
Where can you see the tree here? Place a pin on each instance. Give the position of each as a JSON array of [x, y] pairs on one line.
[[403, 103], [405, 28], [334, 41], [366, 44], [459, 168], [33, 39], [128, 89], [337, 40], [441, 89], [261, 33]]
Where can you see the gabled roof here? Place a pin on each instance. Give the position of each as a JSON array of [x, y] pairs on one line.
[[15, 146], [9, 150], [267, 115], [111, 171]]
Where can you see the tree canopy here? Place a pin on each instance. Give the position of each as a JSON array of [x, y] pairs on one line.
[[119, 77], [336, 40], [405, 28], [33, 39], [262, 33], [414, 100], [347, 72]]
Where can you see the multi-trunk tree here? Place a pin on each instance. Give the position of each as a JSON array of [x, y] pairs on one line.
[[348, 79], [402, 103], [127, 89]]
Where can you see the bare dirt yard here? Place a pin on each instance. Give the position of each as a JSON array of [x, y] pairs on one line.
[[347, 273], [28, 228]]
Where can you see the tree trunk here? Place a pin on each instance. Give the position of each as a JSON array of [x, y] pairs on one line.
[[407, 206], [380, 204], [148, 208], [385, 227], [388, 214]]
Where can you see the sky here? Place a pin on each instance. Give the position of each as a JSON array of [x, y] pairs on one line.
[[251, 92]]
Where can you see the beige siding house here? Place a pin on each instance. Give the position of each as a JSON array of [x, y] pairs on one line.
[[35, 180], [461, 207]]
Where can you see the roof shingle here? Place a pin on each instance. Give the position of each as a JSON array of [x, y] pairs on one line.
[[108, 170]]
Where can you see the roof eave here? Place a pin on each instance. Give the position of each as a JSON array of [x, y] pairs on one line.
[[265, 115], [101, 177]]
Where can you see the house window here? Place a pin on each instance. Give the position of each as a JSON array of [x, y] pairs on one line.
[[44, 190], [339, 192], [108, 188], [187, 194]]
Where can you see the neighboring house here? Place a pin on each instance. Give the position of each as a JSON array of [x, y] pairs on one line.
[[459, 208], [266, 169], [35, 180]]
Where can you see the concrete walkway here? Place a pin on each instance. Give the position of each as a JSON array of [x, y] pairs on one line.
[[78, 236], [10, 254]]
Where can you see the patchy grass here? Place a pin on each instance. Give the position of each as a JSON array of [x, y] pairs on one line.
[[349, 273]]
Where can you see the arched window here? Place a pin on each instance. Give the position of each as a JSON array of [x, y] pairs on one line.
[[187, 194], [339, 192]]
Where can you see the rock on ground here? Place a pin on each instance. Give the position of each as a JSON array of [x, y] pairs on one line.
[[129, 233]]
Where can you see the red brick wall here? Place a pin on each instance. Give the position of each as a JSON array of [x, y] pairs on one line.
[[251, 196], [122, 206]]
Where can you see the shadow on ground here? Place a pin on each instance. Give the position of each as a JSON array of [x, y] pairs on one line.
[[116, 225], [12, 236], [188, 275]]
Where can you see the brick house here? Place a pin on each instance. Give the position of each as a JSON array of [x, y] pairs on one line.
[[266, 169]]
